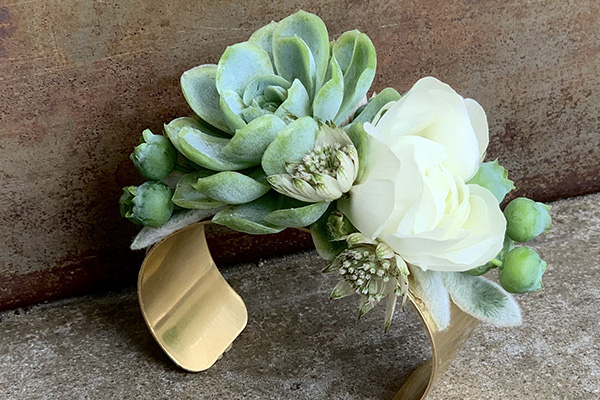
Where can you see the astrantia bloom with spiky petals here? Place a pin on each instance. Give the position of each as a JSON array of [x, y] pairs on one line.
[[325, 173], [372, 270]]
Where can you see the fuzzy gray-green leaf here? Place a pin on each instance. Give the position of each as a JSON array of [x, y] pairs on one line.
[[231, 187], [429, 287], [483, 299]]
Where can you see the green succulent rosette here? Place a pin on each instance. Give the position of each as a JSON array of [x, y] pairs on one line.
[[264, 104]]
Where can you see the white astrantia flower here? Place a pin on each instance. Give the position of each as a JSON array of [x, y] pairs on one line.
[[372, 270], [325, 173], [422, 149]]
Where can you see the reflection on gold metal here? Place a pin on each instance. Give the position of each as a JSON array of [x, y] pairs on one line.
[[195, 315], [191, 310]]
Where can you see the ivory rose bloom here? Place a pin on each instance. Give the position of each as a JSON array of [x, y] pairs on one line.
[[413, 194]]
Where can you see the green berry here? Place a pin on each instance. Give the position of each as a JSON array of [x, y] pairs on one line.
[[526, 219], [522, 270], [148, 204], [155, 157]]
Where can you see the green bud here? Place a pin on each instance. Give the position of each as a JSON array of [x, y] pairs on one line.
[[148, 204], [522, 270], [494, 178], [526, 219], [155, 157]]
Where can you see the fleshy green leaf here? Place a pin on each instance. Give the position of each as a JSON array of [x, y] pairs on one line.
[[249, 217], [290, 145], [231, 106], [359, 137], [257, 86], [263, 38], [294, 60], [429, 287], [172, 129], [376, 103], [483, 299], [200, 91], [205, 150], [358, 69], [311, 29], [329, 98], [251, 141], [297, 103], [187, 197], [239, 64], [231, 187], [297, 216]]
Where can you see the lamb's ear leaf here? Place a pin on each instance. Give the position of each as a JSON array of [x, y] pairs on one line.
[[428, 286], [313, 32], [483, 299], [200, 91], [249, 217], [290, 145], [358, 60], [375, 104], [296, 214]]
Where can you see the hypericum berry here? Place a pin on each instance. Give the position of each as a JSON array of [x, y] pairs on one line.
[[526, 219], [522, 270]]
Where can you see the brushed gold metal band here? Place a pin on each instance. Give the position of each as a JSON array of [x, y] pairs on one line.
[[195, 315]]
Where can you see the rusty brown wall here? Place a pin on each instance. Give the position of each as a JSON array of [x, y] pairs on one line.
[[80, 79]]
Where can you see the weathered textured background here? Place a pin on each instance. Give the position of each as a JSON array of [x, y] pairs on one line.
[[80, 79]]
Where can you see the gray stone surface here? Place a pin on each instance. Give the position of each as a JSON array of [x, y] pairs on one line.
[[299, 345]]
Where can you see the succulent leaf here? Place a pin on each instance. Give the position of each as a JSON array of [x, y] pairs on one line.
[[187, 196], [358, 68], [313, 32], [298, 215], [200, 91], [172, 129], [297, 104], [328, 99], [249, 217], [232, 106], [205, 150], [359, 137], [263, 38], [231, 187], [294, 60], [375, 104], [239, 64], [250, 142], [290, 145]]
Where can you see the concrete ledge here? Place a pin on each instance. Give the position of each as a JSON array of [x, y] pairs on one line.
[[299, 345]]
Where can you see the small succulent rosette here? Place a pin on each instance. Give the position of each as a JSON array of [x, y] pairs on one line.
[[394, 189]]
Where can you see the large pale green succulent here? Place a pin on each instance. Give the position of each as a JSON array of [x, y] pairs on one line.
[[261, 107]]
